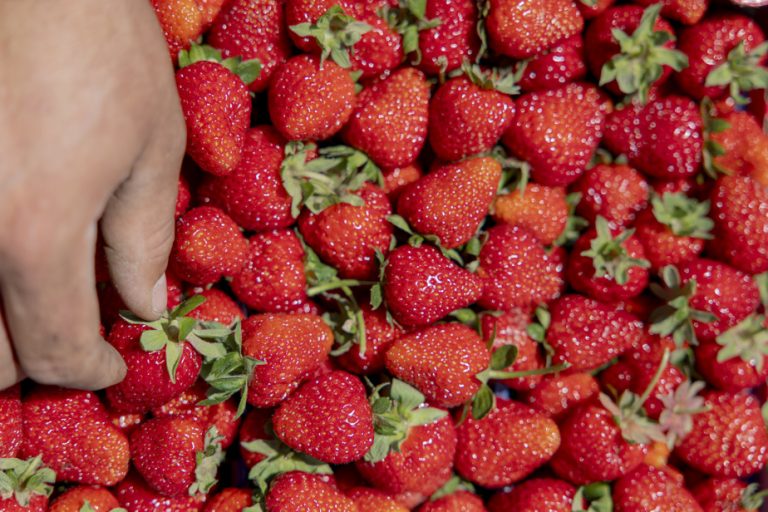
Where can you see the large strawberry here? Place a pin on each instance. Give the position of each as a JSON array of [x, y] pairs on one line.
[[540, 209], [10, 421], [445, 47], [292, 492], [535, 495], [559, 65], [135, 495], [650, 488], [75, 499], [26, 485], [615, 192]]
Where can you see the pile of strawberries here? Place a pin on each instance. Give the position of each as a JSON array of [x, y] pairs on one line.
[[440, 256]]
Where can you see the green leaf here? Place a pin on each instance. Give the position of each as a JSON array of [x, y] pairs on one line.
[[152, 341], [408, 396], [609, 256], [188, 306], [503, 357], [173, 353], [207, 463], [683, 215], [483, 402], [23, 479]]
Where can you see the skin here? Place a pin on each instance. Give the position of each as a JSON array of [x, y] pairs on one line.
[[91, 135]]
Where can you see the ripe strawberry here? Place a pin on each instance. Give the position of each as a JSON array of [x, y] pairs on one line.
[[75, 498], [452, 200], [293, 491], [468, 115], [715, 61], [379, 337], [126, 422], [745, 146], [135, 495], [291, 346], [26, 485], [181, 21], [310, 101], [727, 494], [515, 270], [10, 422], [615, 192], [372, 500], [272, 279], [728, 440], [396, 179], [255, 426], [176, 456], [740, 212], [183, 198], [390, 121], [422, 465], [72, 433], [510, 329], [687, 12], [586, 333], [650, 488], [505, 446], [535, 495], [556, 395], [445, 47], [593, 8], [421, 285], [559, 65], [230, 499], [218, 307], [347, 236], [540, 209], [524, 29], [253, 29], [208, 246], [557, 131], [459, 501]]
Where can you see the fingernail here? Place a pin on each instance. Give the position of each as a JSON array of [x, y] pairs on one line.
[[160, 296]]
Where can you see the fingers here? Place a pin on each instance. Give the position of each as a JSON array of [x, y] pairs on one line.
[[10, 373], [53, 319], [138, 223]]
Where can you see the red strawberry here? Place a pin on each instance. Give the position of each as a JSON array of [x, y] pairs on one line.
[[688, 12], [126, 422], [745, 146], [535, 495], [727, 494], [540, 209], [372, 500], [310, 101], [255, 426], [135, 495], [728, 440], [272, 279], [615, 192], [586, 333], [230, 499], [292, 492], [181, 21], [390, 121], [468, 115], [183, 197], [557, 395], [10, 422], [74, 499], [291, 346], [505, 446], [515, 270], [421, 285], [510, 329], [740, 212], [253, 29], [328, 418], [650, 488], [396, 179], [594, 8], [72, 433], [452, 200], [445, 47], [561, 64], [524, 29], [309, 12], [557, 131], [379, 337], [218, 307], [459, 501]]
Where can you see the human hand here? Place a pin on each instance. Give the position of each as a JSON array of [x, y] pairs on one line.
[[90, 131]]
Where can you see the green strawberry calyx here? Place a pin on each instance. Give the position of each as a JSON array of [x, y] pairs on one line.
[[453, 485], [747, 340], [417, 239], [23, 479], [596, 497], [394, 414], [683, 215], [642, 57], [207, 463], [408, 19], [504, 80], [609, 256], [675, 317], [247, 70], [336, 33], [752, 498], [515, 173], [676, 419], [741, 72], [279, 459], [88, 508], [711, 148]]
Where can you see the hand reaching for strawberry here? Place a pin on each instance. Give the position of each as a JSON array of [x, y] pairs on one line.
[[90, 132]]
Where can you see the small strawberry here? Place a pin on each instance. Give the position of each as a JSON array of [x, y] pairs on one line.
[[372, 500], [559, 65], [26, 485], [557, 395], [615, 192], [230, 499], [10, 422], [292, 492], [523, 29], [396, 179], [728, 495], [379, 337], [557, 131], [390, 121], [77, 499], [445, 47], [650, 488], [687, 12], [181, 21], [459, 501], [135, 495], [218, 307], [535, 495], [452, 200], [540, 209]]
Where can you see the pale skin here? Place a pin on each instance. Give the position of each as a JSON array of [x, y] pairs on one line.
[[91, 135]]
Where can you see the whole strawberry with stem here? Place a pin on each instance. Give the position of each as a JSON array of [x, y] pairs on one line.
[[26, 485], [650, 488], [10, 421], [614, 191]]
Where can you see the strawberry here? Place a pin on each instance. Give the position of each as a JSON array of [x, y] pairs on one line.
[[535, 495], [468, 114], [607, 264], [291, 346], [649, 488], [135, 495], [72, 433], [727, 494], [254, 427], [308, 101], [459, 501], [293, 491], [126, 422], [253, 29], [557, 131], [183, 197], [515, 270], [510, 329], [230, 499], [389, 123], [745, 147], [688, 12], [422, 465], [444, 47], [10, 422], [740, 212], [218, 307], [729, 439], [26, 485], [441, 361], [272, 279], [452, 200], [181, 21], [556, 395], [559, 65], [421, 285], [505, 446], [540, 209], [524, 29], [615, 192], [723, 50], [176, 456], [379, 337], [586, 333], [372, 500], [592, 8], [74, 499], [328, 418], [396, 179]]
